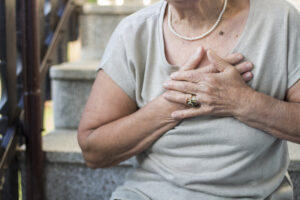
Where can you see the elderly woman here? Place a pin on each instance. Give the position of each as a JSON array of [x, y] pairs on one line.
[[176, 89]]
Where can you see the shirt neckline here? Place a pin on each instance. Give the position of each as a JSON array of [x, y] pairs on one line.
[[237, 46]]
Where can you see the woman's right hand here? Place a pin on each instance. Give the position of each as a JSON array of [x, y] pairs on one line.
[[244, 68]]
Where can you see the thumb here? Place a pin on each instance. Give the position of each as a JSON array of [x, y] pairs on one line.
[[194, 60], [220, 64]]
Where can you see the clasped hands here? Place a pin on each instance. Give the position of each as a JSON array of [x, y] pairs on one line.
[[220, 87]]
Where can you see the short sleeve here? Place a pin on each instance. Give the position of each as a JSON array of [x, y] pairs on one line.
[[114, 63], [293, 47]]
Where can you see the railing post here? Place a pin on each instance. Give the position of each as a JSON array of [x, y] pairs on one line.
[[8, 102], [32, 101]]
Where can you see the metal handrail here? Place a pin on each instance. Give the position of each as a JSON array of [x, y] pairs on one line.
[[8, 103], [60, 30], [34, 74]]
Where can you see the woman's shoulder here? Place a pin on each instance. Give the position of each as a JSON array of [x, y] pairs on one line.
[[280, 14], [142, 19], [276, 7], [150, 11]]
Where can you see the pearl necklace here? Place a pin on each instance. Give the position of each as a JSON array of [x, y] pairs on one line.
[[200, 36]]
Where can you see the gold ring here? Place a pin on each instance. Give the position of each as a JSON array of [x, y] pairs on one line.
[[192, 102]]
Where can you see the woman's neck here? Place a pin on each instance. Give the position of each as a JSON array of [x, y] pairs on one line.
[[195, 13]]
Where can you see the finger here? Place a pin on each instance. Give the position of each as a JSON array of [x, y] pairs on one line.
[[244, 67], [208, 69], [220, 64], [194, 60], [182, 98], [248, 76], [177, 97], [234, 59], [188, 113], [191, 76], [181, 86]]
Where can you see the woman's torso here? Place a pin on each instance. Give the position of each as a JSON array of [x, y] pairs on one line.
[[211, 157]]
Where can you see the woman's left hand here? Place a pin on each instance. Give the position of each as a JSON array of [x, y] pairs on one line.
[[221, 94]]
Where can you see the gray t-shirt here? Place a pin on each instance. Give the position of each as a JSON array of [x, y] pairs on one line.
[[208, 158]]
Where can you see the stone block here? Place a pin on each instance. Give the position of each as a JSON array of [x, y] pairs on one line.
[[71, 85], [67, 177], [97, 24]]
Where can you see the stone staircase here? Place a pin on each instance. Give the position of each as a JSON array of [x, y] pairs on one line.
[[67, 177]]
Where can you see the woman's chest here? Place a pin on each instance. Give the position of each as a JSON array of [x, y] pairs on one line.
[[179, 52], [222, 41]]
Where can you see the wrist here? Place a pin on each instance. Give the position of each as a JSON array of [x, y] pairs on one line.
[[246, 104], [161, 110]]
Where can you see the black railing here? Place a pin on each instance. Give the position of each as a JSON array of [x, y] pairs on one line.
[[8, 104], [30, 35]]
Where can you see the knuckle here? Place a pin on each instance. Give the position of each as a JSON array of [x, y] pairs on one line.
[[232, 70], [184, 87], [191, 76], [210, 109], [167, 94], [210, 101], [211, 80], [181, 115], [208, 90], [212, 68], [197, 89], [204, 88], [186, 98]]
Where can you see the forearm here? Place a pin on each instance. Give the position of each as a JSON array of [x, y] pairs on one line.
[[278, 118], [119, 140]]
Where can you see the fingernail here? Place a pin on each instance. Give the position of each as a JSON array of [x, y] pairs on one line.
[[249, 65], [240, 56], [173, 75], [248, 75], [199, 49]]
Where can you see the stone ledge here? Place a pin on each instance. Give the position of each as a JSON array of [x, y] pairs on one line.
[[58, 150], [94, 9], [67, 177], [61, 146], [294, 152], [81, 70]]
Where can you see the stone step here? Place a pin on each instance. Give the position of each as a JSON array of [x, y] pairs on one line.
[[67, 177], [71, 84], [96, 24]]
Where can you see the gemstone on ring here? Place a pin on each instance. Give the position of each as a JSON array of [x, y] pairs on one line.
[[192, 102]]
